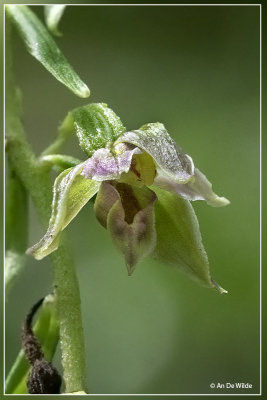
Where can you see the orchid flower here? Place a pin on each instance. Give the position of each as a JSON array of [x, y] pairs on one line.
[[144, 184]]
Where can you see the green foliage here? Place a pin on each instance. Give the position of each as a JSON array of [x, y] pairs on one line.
[[53, 15], [42, 46]]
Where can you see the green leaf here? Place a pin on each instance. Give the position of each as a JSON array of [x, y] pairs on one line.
[[154, 139], [46, 329], [70, 193], [179, 241], [53, 15], [42, 46], [96, 126]]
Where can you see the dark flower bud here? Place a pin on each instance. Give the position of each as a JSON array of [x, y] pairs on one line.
[[43, 377]]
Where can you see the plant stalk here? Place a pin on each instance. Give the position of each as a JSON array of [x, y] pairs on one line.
[[36, 180]]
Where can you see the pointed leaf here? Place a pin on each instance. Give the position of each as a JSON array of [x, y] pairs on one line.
[[179, 241], [154, 139], [42, 46], [70, 193], [53, 15]]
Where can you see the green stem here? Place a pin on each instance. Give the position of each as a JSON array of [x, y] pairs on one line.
[[59, 161], [68, 307], [36, 180], [16, 229]]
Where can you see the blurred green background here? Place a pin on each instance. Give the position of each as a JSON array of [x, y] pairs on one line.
[[195, 69]]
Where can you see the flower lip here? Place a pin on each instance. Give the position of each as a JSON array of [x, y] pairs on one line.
[[128, 214], [129, 202], [109, 164], [132, 200]]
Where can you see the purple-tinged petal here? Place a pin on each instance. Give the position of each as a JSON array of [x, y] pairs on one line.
[[106, 164], [101, 166], [124, 153], [198, 188]]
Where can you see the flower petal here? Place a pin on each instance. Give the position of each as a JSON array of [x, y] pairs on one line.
[[128, 214], [179, 241], [197, 189], [105, 165], [70, 193], [124, 153], [154, 139], [101, 166]]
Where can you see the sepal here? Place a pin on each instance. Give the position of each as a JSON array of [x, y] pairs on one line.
[[70, 193], [179, 241], [96, 126]]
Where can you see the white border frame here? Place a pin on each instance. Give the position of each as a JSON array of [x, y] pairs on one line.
[[142, 5]]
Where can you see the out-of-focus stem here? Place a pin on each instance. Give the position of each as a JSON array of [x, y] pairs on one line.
[[36, 180]]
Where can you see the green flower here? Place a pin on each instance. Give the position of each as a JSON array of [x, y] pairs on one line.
[[144, 183]]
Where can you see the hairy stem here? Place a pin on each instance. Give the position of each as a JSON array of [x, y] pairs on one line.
[[70, 322], [36, 180]]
